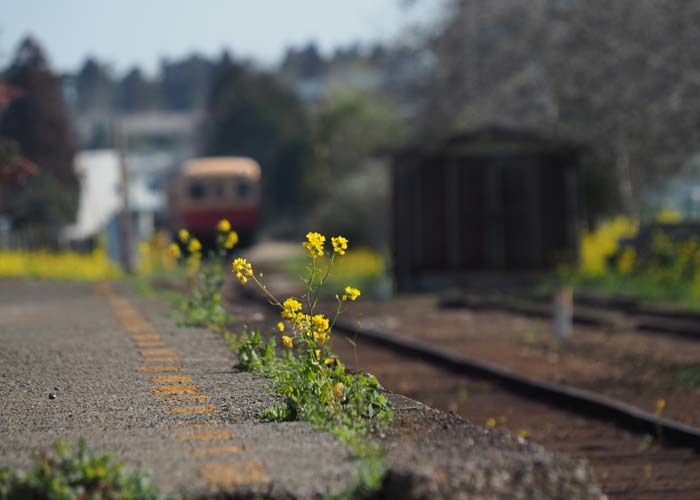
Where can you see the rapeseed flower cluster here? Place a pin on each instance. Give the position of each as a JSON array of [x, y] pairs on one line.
[[243, 269], [194, 250], [307, 328], [340, 244], [351, 293], [204, 306], [226, 237], [69, 265], [598, 246], [156, 255], [224, 226], [314, 244]]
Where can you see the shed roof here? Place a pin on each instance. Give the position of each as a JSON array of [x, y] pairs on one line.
[[491, 141]]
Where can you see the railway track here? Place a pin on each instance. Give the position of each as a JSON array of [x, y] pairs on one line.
[[635, 455], [593, 310]]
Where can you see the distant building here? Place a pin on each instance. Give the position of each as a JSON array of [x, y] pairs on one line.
[[100, 200]]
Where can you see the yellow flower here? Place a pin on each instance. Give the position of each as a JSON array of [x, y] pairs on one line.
[[194, 246], [280, 326], [625, 263], [287, 341], [523, 433], [320, 322], [314, 244], [320, 326], [174, 250], [183, 235], [243, 269], [340, 244], [350, 293], [317, 352], [290, 307], [660, 405], [338, 390], [328, 361], [300, 319], [491, 423], [223, 226], [231, 240]]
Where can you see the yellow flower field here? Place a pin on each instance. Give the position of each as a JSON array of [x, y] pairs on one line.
[[42, 264]]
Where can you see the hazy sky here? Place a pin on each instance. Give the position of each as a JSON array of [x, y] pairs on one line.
[[127, 32]]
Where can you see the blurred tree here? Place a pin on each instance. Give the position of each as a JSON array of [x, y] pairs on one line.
[[136, 93], [93, 87], [37, 121], [250, 113], [185, 83], [348, 182], [621, 76]]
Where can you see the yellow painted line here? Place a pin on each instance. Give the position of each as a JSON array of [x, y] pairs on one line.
[[174, 400], [214, 435], [223, 475], [151, 344], [160, 369], [170, 379], [175, 389], [197, 425], [158, 352], [190, 410], [161, 359], [213, 451], [145, 338]]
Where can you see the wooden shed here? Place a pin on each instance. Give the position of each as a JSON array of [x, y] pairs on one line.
[[492, 202]]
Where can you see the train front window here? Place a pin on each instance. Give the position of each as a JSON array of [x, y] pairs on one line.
[[243, 189], [197, 190]]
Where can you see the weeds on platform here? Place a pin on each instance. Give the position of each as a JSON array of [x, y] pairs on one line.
[[314, 383], [66, 473], [204, 307]]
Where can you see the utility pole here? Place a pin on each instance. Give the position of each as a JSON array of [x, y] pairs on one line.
[[125, 217]]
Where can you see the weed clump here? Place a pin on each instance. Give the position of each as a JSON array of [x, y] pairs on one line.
[[67, 473], [315, 384]]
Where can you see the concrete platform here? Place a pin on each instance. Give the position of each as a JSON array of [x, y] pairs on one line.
[[110, 366]]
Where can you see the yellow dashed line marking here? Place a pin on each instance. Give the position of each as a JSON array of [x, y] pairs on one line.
[[200, 425], [190, 410], [179, 388], [151, 344], [212, 451], [205, 435], [170, 379], [175, 389], [145, 338], [223, 475], [165, 359], [158, 352], [160, 368]]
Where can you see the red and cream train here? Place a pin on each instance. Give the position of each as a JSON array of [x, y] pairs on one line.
[[207, 190]]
